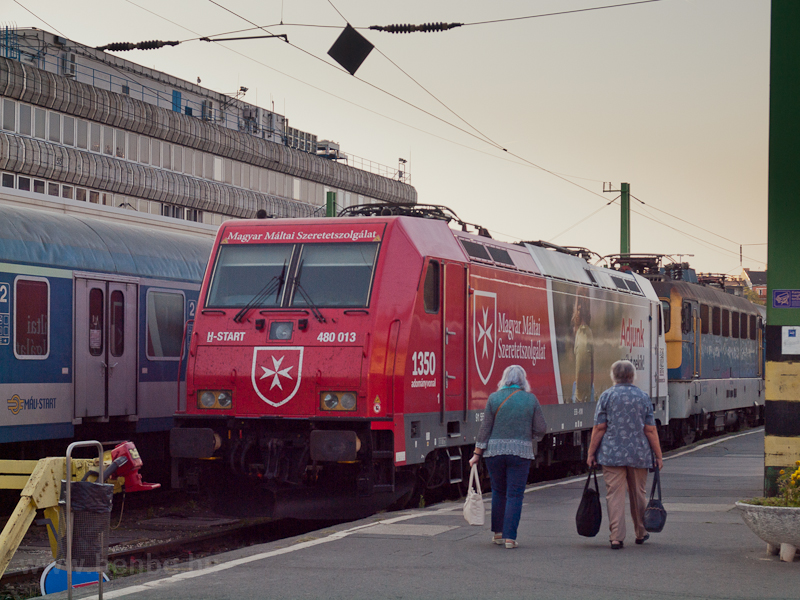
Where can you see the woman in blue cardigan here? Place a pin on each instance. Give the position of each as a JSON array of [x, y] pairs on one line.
[[512, 421]]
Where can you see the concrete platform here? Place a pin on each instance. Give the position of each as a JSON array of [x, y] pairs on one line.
[[705, 550]]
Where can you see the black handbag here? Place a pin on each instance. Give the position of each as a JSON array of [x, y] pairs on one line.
[[654, 514], [590, 514]]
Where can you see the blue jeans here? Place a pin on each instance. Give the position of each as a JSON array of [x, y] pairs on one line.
[[509, 474]]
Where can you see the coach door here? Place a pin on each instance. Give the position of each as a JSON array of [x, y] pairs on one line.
[[454, 338], [105, 348]]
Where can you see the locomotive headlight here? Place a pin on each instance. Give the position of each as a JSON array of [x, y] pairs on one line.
[[338, 401], [224, 399], [207, 400], [329, 401], [348, 401], [220, 399], [280, 330]]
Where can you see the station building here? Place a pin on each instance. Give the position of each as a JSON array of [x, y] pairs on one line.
[[82, 130]]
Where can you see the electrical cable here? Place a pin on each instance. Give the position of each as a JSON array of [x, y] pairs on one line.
[[17, 2], [485, 138]]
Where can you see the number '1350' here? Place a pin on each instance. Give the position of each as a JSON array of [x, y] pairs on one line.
[[424, 363]]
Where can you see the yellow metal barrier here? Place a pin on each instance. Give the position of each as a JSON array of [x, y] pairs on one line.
[[40, 482]]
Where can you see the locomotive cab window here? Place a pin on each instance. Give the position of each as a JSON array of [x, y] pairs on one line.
[[334, 275], [704, 320], [686, 318], [31, 318], [244, 273], [666, 309], [431, 291]]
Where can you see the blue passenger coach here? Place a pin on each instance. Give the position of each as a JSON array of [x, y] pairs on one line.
[[92, 319]]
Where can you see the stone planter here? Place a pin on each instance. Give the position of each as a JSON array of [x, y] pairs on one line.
[[779, 526]]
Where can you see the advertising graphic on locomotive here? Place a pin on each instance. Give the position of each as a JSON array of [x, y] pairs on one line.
[[91, 319], [352, 357]]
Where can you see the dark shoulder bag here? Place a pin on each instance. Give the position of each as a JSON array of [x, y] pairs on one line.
[[654, 514], [590, 515]]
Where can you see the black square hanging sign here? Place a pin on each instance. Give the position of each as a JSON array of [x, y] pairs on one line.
[[350, 49]]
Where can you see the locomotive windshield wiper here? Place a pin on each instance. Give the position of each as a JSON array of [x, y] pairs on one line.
[[273, 285], [298, 286]]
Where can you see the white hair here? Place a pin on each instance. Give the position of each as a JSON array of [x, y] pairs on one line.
[[514, 375], [623, 371]]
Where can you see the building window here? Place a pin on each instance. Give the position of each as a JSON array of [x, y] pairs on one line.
[[95, 138], [83, 135], [80, 194], [66, 191], [25, 119], [166, 156], [24, 183], [94, 197], [8, 180], [55, 128], [52, 189], [38, 186], [108, 141], [9, 115], [144, 150], [69, 131], [39, 122], [120, 145]]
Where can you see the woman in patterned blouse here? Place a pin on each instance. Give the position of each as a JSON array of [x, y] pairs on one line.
[[625, 441], [512, 420]]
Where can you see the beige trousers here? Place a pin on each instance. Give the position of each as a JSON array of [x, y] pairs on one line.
[[620, 480]]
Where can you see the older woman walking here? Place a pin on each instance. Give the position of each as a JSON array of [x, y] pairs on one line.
[[512, 420], [625, 441]]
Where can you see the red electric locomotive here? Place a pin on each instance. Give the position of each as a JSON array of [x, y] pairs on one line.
[[341, 365]]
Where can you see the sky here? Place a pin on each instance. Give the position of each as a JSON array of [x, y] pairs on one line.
[[514, 123]]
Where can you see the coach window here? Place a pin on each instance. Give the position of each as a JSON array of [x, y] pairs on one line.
[[96, 321], [686, 318], [432, 288], [716, 329], [752, 327], [726, 322], [165, 317], [116, 327], [734, 324], [704, 320], [31, 318]]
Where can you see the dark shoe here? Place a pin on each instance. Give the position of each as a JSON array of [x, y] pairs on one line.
[[641, 541], [616, 545]]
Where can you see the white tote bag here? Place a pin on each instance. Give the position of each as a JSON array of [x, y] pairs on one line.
[[473, 507]]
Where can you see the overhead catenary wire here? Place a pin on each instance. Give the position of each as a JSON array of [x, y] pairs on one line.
[[483, 138]]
